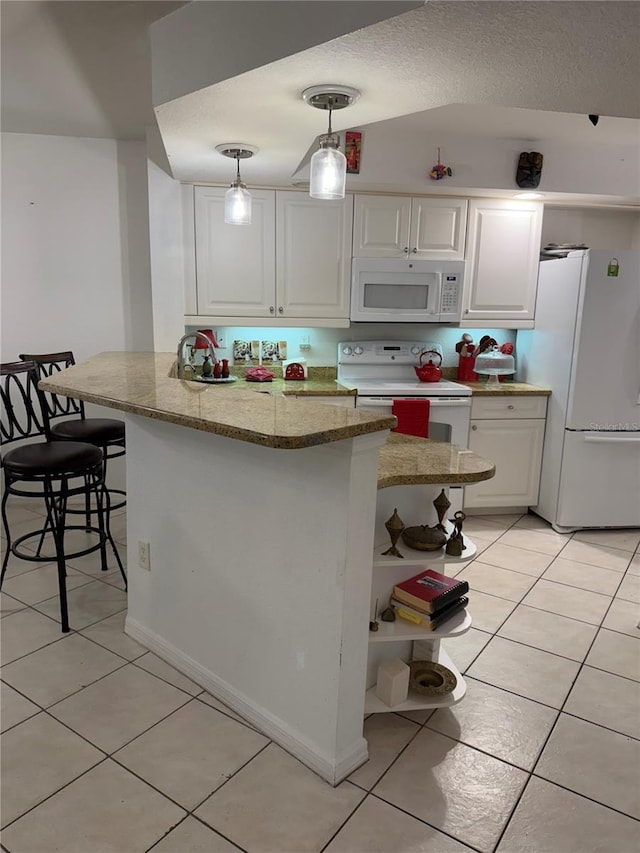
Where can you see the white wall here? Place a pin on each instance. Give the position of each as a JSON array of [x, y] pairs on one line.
[[598, 229], [75, 250]]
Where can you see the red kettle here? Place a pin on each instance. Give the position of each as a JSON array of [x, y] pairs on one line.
[[429, 372]]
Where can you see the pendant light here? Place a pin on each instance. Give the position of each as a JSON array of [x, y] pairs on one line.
[[237, 199], [328, 164]]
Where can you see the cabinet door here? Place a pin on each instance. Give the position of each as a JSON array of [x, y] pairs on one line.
[[381, 226], [313, 258], [438, 228], [235, 264], [502, 269], [515, 446]]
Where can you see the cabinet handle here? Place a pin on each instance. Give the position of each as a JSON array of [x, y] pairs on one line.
[[510, 406], [474, 427], [272, 310], [414, 250], [406, 250], [280, 309]]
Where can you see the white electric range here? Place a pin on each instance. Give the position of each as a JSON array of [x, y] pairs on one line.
[[383, 371]]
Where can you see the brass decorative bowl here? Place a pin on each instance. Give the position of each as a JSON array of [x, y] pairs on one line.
[[424, 538], [430, 678]]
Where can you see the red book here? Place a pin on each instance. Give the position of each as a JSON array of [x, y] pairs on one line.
[[429, 591]]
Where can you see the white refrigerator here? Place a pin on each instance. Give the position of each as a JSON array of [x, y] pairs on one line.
[[586, 348]]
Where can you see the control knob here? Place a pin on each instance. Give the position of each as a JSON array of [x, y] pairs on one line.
[[347, 350], [358, 350], [415, 350]]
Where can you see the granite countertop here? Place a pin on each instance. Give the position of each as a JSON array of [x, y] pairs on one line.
[[408, 460], [506, 389], [139, 383]]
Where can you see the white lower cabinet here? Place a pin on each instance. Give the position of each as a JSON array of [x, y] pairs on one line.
[[401, 639], [510, 432]]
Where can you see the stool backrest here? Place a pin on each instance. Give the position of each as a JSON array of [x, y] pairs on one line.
[[23, 411], [48, 364]]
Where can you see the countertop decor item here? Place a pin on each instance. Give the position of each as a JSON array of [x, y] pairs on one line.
[[429, 372], [430, 678], [258, 374], [424, 538], [441, 504], [455, 544], [215, 380], [495, 363], [395, 526]]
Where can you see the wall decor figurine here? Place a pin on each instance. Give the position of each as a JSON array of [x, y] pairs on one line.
[[395, 526], [352, 151], [440, 171], [529, 169]]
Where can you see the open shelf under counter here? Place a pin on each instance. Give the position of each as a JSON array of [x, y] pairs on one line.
[[412, 555], [416, 701], [389, 632]]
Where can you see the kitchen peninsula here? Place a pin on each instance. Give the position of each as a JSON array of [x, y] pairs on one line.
[[260, 560]]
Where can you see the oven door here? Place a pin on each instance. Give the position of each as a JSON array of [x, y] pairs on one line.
[[448, 416]]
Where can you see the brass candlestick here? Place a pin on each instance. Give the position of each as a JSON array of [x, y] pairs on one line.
[[395, 526], [442, 504]]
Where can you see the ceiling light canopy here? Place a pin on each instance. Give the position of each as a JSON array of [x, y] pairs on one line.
[[237, 199], [328, 164]]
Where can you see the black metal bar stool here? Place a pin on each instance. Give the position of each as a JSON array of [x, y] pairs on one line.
[[52, 470], [106, 433]]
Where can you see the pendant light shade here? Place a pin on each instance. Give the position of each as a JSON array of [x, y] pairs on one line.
[[328, 164], [237, 199], [237, 204], [328, 169]]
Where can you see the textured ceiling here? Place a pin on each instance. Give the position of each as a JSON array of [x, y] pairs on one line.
[[480, 69], [568, 57]]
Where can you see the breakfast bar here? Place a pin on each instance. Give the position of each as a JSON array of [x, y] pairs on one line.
[[260, 517]]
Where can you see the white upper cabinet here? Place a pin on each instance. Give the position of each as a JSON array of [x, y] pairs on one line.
[[399, 226], [502, 263], [235, 264], [313, 262], [292, 264]]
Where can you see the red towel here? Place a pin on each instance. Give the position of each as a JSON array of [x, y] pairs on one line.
[[413, 417]]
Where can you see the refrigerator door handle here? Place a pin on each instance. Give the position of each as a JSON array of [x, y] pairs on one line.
[[619, 439]]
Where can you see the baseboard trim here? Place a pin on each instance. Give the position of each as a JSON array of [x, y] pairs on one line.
[[332, 769]]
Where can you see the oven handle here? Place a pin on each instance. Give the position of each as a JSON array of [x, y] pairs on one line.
[[465, 402]]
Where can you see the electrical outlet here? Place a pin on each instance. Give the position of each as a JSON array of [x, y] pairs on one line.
[[144, 555]]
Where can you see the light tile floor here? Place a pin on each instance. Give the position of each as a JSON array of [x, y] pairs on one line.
[[107, 748]]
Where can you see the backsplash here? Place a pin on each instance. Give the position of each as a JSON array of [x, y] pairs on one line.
[[319, 346]]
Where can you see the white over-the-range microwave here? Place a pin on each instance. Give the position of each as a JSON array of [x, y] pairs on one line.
[[401, 290]]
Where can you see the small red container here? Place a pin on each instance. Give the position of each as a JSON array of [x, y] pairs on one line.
[[466, 373]]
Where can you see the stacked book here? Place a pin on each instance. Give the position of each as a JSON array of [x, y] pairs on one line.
[[429, 599]]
